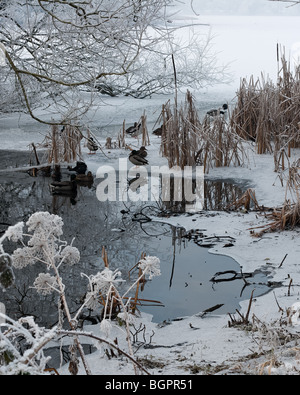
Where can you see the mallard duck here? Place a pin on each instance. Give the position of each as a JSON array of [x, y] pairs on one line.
[[88, 178], [134, 130], [92, 145], [158, 131], [143, 152], [80, 168], [63, 186], [137, 159], [131, 129], [220, 111]]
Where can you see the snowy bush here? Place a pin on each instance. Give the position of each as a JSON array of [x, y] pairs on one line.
[[22, 342]]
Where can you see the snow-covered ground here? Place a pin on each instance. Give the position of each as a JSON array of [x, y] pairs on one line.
[[204, 345], [195, 344]]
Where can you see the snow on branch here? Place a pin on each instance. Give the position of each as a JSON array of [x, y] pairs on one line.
[[55, 50]]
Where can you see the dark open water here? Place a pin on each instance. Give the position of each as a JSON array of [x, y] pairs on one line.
[[184, 287]]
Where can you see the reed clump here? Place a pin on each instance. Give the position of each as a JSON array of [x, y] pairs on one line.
[[246, 201], [64, 145], [181, 133], [186, 141], [268, 113], [220, 146]]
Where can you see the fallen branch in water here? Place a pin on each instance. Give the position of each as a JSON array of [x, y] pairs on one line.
[[210, 310]]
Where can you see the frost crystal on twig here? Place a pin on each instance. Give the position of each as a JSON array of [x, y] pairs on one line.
[[15, 233], [103, 281], [106, 327], [45, 284], [125, 316], [150, 265], [44, 222], [70, 255], [22, 257], [44, 246]]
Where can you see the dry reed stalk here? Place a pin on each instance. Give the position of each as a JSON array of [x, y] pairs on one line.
[[105, 257], [145, 135], [121, 141], [287, 217], [294, 177]]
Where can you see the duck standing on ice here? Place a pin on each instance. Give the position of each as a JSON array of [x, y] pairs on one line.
[[137, 158], [92, 145], [134, 130]]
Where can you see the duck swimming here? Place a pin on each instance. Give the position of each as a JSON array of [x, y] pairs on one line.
[[80, 168], [63, 186], [85, 177]]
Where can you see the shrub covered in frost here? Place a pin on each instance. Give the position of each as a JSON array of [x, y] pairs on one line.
[[42, 243]]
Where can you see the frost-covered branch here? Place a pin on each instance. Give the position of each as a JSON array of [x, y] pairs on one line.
[[110, 344], [34, 339], [55, 50]]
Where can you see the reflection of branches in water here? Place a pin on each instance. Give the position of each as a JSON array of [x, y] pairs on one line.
[[19, 199], [219, 194], [217, 278], [143, 217]]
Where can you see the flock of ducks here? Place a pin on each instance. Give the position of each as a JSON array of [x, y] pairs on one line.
[[80, 175]]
